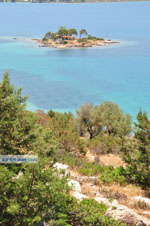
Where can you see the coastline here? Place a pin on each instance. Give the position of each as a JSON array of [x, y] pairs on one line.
[[75, 44], [71, 45]]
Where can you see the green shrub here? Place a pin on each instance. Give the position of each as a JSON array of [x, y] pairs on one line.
[[113, 175], [65, 130], [91, 213], [136, 152], [45, 39], [102, 39], [92, 38], [103, 144], [82, 40], [82, 165]]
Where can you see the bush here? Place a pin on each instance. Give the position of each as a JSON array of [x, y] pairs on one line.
[[91, 213], [102, 39], [65, 131], [82, 165], [45, 39], [82, 40], [107, 175], [113, 175], [104, 144], [93, 38], [107, 118], [136, 152]]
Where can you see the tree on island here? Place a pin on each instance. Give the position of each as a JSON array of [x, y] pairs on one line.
[[62, 31], [83, 32], [49, 35], [72, 31]]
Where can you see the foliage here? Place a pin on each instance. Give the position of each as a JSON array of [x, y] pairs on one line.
[[89, 212], [62, 31], [83, 40], [112, 118], [86, 212], [136, 152], [107, 174], [85, 121], [81, 164], [107, 117], [65, 131], [72, 31], [113, 175], [103, 144], [36, 194], [16, 124], [92, 38], [47, 35], [42, 118], [83, 32], [25, 198], [32, 193]]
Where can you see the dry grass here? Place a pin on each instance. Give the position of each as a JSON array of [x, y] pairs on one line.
[[89, 156], [111, 159], [90, 189], [106, 159], [123, 194]]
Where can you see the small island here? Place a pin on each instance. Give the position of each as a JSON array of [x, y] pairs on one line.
[[71, 38]]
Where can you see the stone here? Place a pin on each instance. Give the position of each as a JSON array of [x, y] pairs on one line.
[[142, 199], [79, 196], [17, 176], [62, 167], [75, 184], [124, 214], [106, 201]]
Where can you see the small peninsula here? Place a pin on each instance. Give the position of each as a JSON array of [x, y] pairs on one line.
[[71, 38]]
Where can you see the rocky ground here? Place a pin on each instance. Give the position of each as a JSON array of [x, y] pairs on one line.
[[74, 43], [125, 203]]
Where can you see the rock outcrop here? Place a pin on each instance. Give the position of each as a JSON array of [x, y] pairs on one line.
[[115, 210]]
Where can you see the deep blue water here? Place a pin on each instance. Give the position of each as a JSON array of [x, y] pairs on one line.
[[63, 79]]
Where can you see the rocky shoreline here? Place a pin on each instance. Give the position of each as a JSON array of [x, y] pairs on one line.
[[74, 44]]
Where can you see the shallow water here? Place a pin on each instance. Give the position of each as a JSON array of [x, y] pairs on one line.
[[63, 79]]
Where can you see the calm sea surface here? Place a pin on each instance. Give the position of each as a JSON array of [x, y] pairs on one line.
[[63, 79]]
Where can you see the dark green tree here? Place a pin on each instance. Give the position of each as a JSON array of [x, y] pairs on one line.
[[136, 152], [35, 195], [62, 31], [84, 120], [107, 117], [48, 35], [16, 124], [65, 130], [83, 32], [112, 119], [72, 31]]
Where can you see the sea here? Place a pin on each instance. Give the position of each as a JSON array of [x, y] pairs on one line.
[[63, 79]]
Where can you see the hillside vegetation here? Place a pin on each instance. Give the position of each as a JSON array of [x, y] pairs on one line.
[[32, 193]]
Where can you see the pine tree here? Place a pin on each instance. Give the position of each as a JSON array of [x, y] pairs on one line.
[[16, 124], [137, 152]]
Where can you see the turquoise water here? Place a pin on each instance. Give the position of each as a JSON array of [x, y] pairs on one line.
[[63, 79]]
